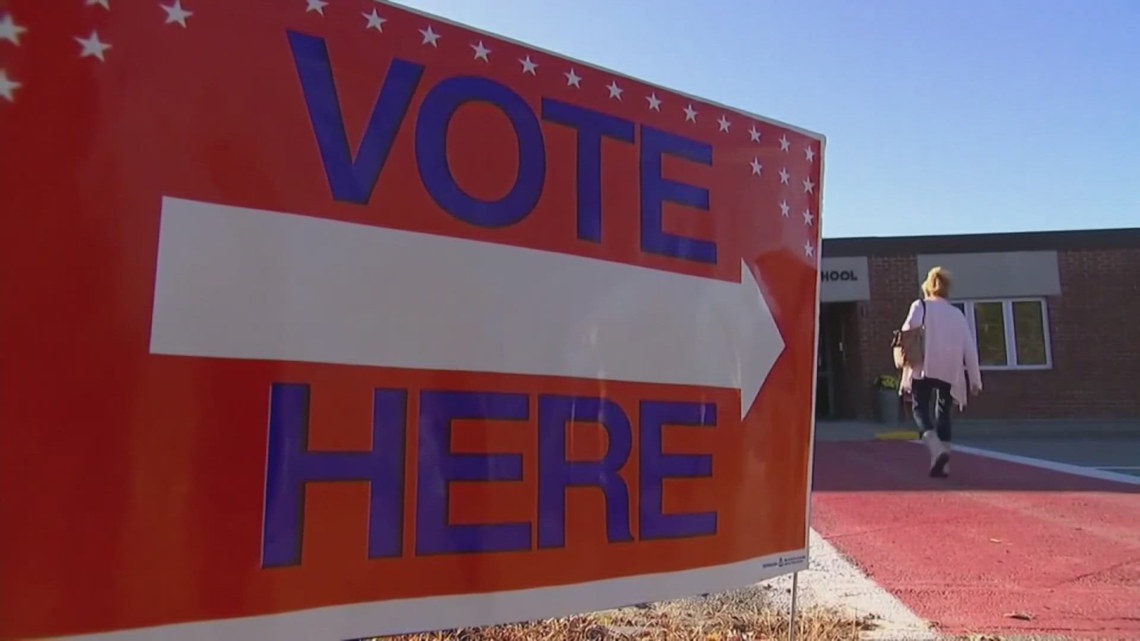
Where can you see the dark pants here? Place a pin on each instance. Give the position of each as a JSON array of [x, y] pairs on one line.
[[932, 406]]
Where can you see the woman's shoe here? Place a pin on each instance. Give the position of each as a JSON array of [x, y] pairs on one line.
[[938, 468], [939, 454]]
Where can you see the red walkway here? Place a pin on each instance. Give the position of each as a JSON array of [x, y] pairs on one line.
[[995, 539]]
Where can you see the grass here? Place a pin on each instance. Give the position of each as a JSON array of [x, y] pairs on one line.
[[740, 615], [897, 435]]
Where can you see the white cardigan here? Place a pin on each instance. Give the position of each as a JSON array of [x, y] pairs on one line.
[[950, 350]]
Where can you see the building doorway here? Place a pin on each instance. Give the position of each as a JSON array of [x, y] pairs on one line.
[[833, 361]]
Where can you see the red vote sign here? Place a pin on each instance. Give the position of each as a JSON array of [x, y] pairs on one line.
[[328, 318]]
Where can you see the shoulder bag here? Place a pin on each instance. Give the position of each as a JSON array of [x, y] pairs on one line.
[[908, 345]]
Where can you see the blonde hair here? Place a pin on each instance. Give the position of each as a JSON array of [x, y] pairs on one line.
[[937, 283]]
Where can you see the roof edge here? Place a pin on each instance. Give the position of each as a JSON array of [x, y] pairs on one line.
[[1053, 240]]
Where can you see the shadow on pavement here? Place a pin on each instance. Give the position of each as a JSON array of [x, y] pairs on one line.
[[895, 466]]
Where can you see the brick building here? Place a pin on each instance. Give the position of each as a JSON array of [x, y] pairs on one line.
[[1054, 313]]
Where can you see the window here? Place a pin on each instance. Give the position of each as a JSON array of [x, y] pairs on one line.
[[990, 330], [1011, 334], [1032, 341]]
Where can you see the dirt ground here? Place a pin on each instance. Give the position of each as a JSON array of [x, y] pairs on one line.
[[740, 615]]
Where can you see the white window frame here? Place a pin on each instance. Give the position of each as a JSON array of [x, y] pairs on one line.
[[1010, 335]]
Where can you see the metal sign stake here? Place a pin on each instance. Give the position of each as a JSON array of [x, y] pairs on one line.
[[793, 613]]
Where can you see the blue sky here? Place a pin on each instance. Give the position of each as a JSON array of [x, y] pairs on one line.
[[942, 116]]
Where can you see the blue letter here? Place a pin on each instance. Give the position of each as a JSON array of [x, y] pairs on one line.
[[555, 473], [657, 466], [438, 467], [351, 181], [438, 107], [591, 126], [656, 190], [291, 465]]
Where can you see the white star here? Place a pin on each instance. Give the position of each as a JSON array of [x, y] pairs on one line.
[[615, 90], [754, 133], [654, 101], [175, 13], [756, 166], [316, 5], [690, 114], [723, 123], [784, 143], [809, 251], [528, 65], [573, 79], [430, 37], [102, 3], [9, 30], [481, 52], [808, 217], [374, 21], [784, 208], [810, 154], [809, 186], [7, 86], [92, 46], [784, 175]]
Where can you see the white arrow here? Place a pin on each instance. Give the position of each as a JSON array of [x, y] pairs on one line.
[[242, 283]]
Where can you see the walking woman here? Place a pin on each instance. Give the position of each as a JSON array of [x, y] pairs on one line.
[[949, 367]]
